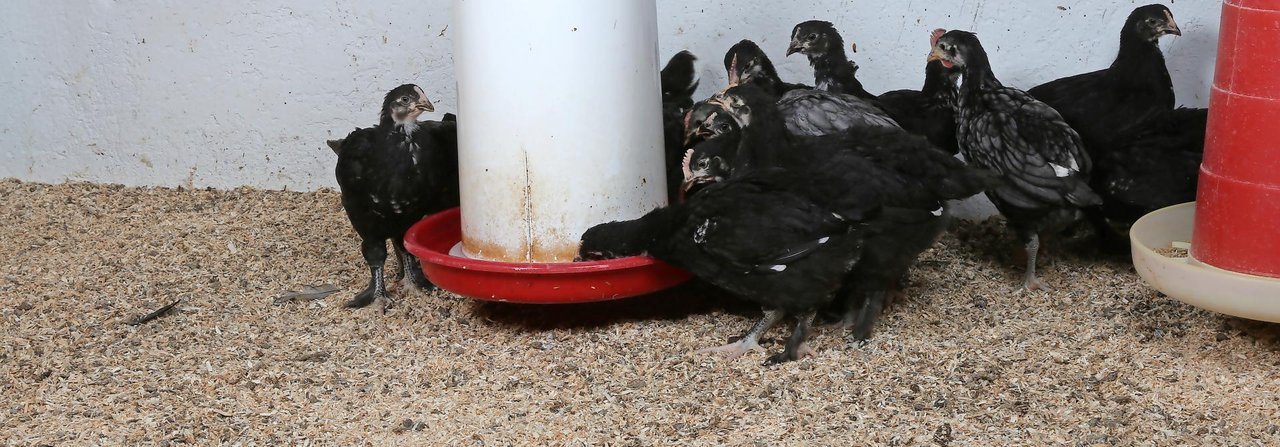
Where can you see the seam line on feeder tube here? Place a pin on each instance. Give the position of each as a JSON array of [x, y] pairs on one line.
[[1242, 95], [1239, 181], [528, 209]]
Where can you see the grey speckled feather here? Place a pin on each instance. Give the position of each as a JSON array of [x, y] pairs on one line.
[[1027, 141], [817, 112]]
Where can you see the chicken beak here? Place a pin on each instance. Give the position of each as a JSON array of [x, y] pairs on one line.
[[935, 55], [425, 105], [1171, 27], [794, 48]]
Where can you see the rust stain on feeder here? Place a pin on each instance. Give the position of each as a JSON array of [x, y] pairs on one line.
[[492, 251], [530, 241], [554, 247]]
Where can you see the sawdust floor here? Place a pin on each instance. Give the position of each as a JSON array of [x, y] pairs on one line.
[[966, 360]]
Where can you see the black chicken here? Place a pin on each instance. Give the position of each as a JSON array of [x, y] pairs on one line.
[[783, 250], [1104, 104], [747, 63], [930, 111], [679, 82], [1041, 159], [1153, 166], [832, 69], [391, 176], [706, 120], [909, 177], [806, 111]]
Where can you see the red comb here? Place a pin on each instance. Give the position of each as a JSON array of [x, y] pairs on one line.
[[733, 71], [688, 157], [937, 34]]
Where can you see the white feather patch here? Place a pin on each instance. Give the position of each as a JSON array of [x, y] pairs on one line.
[[700, 233], [778, 268], [824, 240], [1059, 170], [937, 212]]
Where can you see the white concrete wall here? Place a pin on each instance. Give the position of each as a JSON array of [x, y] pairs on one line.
[[222, 94]]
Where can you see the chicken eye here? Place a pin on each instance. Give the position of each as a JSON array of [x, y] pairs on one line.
[[404, 99], [702, 164], [722, 128], [811, 37]]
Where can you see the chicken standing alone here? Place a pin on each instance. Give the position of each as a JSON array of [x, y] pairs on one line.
[[391, 176]]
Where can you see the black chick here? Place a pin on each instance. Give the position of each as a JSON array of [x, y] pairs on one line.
[[679, 82], [747, 63], [393, 175], [1041, 159], [806, 111], [832, 70], [909, 177], [705, 121], [930, 111], [1103, 104], [783, 250], [1155, 165]]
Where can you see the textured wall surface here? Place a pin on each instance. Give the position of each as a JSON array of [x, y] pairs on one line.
[[222, 94]]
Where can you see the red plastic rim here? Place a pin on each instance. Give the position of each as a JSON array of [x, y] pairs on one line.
[[575, 282]]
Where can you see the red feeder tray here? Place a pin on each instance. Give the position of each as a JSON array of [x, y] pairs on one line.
[[432, 239]]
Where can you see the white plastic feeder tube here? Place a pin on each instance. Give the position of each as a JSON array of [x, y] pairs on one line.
[[559, 124]]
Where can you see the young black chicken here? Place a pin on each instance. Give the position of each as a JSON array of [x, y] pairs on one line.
[[679, 82], [806, 111], [930, 111], [759, 237], [1041, 159], [391, 176], [747, 63], [911, 179], [705, 121], [832, 69], [1156, 164], [1104, 104]]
